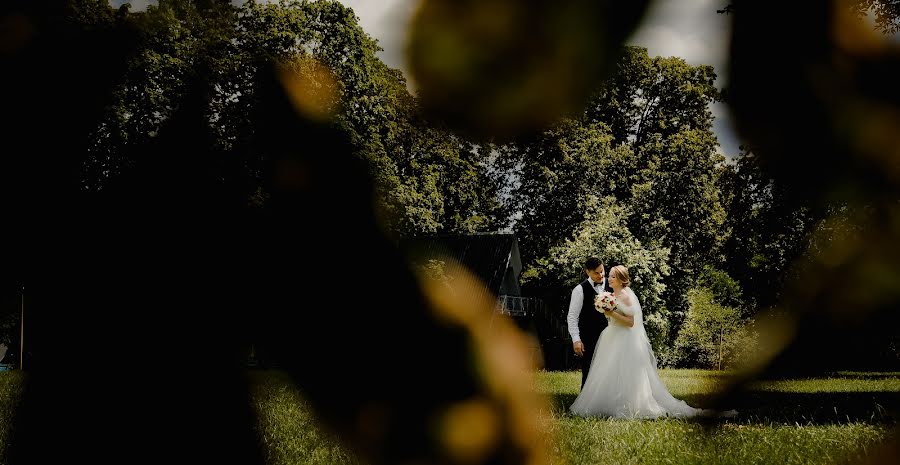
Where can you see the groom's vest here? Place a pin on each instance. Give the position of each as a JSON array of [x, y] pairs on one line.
[[590, 322]]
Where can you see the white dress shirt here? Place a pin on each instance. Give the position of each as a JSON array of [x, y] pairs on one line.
[[575, 304]]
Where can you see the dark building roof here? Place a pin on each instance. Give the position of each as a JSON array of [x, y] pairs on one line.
[[492, 257]]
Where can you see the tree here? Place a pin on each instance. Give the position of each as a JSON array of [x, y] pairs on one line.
[[724, 288], [551, 178], [769, 230], [428, 179], [441, 183], [658, 95], [646, 139], [154, 264], [713, 336], [886, 12], [676, 204], [603, 232], [660, 107]]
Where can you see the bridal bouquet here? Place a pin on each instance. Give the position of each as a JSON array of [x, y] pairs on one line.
[[605, 302]]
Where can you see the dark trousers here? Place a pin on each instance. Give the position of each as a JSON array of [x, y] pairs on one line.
[[590, 343]]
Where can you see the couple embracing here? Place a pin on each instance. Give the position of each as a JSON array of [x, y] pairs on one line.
[[619, 372]]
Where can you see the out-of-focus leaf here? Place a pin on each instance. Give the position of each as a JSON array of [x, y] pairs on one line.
[[505, 67]]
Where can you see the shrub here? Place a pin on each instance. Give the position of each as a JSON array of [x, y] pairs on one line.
[[712, 336]]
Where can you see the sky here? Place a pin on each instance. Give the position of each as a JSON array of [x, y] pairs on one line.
[[690, 29]]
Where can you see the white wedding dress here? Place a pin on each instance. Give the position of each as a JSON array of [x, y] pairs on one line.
[[623, 381]]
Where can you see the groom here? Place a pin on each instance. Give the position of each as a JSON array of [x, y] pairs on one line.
[[585, 322]]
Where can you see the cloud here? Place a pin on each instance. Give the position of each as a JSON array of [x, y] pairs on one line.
[[726, 133], [691, 29], [387, 21]]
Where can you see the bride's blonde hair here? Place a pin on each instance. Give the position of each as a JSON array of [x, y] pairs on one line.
[[621, 272]]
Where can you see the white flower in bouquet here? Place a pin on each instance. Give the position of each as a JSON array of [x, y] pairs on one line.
[[605, 302]]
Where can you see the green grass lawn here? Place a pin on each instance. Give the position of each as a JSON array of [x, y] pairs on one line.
[[10, 390], [829, 420]]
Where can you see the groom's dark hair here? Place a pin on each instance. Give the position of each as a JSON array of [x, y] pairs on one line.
[[592, 263]]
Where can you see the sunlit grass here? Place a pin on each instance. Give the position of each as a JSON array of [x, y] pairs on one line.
[[287, 428], [805, 421], [841, 384], [677, 441]]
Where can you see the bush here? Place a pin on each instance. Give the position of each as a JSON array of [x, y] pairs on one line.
[[724, 288], [712, 336]]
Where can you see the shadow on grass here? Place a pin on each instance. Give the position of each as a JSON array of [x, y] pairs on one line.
[[864, 375], [878, 407]]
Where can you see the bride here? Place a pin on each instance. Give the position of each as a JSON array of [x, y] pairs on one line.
[[623, 381]]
